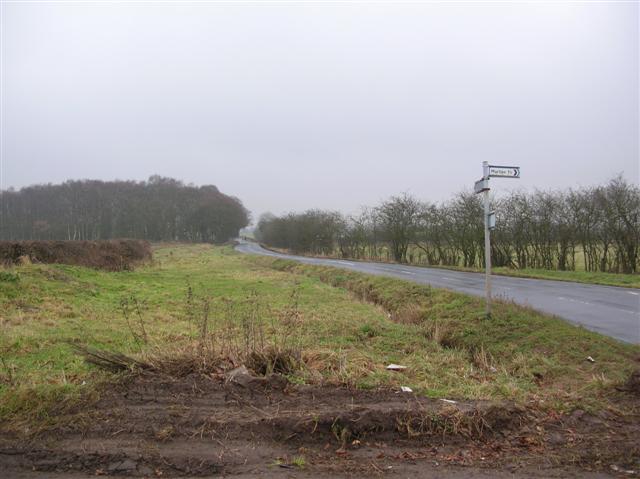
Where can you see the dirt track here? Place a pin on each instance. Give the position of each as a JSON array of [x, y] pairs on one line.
[[155, 426]]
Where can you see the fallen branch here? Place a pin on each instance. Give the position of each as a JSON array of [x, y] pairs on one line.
[[110, 361]]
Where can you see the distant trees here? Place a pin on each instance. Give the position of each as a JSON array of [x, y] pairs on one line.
[[313, 231], [597, 228], [160, 209]]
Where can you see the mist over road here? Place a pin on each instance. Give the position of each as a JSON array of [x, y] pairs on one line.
[[608, 310]]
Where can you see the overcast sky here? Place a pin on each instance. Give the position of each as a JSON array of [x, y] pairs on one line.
[[297, 105]]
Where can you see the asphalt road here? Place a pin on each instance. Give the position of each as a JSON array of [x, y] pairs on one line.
[[607, 310]]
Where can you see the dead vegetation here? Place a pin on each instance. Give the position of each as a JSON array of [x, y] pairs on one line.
[[227, 334], [110, 255], [109, 361]]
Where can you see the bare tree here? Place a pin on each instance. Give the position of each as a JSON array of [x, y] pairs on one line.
[[398, 217]]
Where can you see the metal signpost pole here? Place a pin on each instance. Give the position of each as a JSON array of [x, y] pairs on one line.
[[482, 186], [487, 241]]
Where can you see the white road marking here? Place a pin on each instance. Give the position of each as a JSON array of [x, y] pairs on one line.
[[573, 300], [635, 313], [345, 262], [407, 272], [631, 292], [449, 278]]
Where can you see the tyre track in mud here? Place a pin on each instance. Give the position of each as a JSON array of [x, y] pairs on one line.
[[156, 426]]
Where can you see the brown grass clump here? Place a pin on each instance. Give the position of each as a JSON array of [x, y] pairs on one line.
[[110, 361], [409, 314], [177, 362], [110, 255], [440, 332], [228, 334], [451, 420]]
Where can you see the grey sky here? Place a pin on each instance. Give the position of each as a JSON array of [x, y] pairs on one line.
[[296, 105]]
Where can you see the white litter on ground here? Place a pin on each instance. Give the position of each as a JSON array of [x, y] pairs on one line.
[[395, 367]]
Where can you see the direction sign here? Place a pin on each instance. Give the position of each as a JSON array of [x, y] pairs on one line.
[[504, 171], [481, 185]]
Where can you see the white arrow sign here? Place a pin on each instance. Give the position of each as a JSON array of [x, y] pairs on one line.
[[504, 171]]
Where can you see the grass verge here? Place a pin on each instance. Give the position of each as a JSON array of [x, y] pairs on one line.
[[200, 305], [595, 277], [521, 353]]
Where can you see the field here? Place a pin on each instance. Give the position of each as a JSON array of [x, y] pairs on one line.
[[519, 389]]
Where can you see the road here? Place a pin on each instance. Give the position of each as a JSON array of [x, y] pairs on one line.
[[607, 310]]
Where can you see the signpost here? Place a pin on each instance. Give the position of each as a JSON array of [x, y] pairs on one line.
[[504, 171], [482, 186]]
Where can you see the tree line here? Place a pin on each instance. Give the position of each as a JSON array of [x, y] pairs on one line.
[[592, 228], [160, 209]]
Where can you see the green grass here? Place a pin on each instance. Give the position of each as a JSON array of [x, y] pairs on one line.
[[348, 327], [595, 277], [586, 277], [532, 354]]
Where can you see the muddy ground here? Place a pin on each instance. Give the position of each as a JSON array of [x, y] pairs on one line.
[[156, 426]]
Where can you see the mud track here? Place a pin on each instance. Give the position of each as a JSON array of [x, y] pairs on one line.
[[154, 426]]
